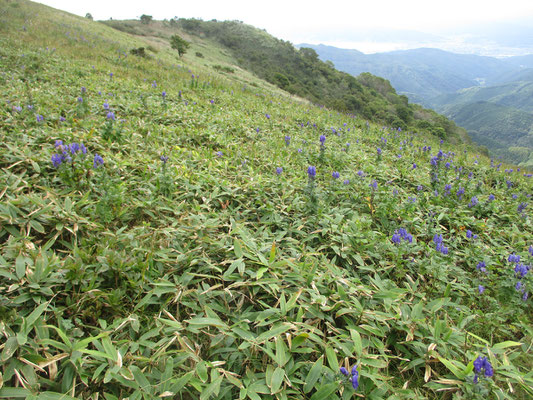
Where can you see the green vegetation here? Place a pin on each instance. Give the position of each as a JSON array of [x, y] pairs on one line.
[[494, 115], [300, 72], [496, 127], [146, 19], [179, 44], [175, 231]]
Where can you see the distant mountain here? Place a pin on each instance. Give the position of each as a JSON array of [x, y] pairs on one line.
[[421, 74], [506, 131], [517, 94]]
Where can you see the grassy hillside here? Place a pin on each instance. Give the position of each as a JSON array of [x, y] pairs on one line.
[[170, 231], [301, 73]]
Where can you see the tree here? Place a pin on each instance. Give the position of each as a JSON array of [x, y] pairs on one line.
[[179, 44], [146, 19], [89, 16]]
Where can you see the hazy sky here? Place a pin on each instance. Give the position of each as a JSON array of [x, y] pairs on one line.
[[305, 21]]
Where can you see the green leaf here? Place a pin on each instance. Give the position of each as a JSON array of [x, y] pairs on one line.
[[324, 391], [181, 382], [313, 375], [237, 248], [298, 340], [275, 331], [20, 267], [506, 344], [357, 342], [454, 370], [14, 393], [277, 380], [206, 321], [332, 358], [201, 370], [11, 345], [213, 388]]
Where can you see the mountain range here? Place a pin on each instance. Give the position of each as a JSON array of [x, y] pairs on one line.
[[491, 97]]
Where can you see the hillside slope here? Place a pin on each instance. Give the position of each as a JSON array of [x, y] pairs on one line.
[[508, 132], [452, 83], [170, 231], [301, 73]]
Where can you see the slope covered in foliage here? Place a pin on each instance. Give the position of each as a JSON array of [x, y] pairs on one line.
[[301, 73], [171, 236]]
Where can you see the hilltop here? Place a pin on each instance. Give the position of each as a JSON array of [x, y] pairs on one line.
[[177, 227]]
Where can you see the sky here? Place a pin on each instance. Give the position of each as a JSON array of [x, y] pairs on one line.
[[336, 22]]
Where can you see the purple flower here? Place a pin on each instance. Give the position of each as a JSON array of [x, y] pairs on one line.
[[311, 171], [219, 154], [355, 377], [97, 161], [513, 258], [481, 289], [396, 238], [373, 185], [521, 207], [80, 99], [111, 116], [74, 148], [106, 106], [164, 159], [58, 143], [57, 160], [414, 166], [481, 266], [469, 234], [482, 363], [267, 116], [279, 170], [346, 182], [62, 119], [335, 175], [39, 118], [164, 95], [83, 89], [322, 140], [300, 150], [287, 140], [344, 371], [521, 269], [491, 197], [379, 151], [473, 201]]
